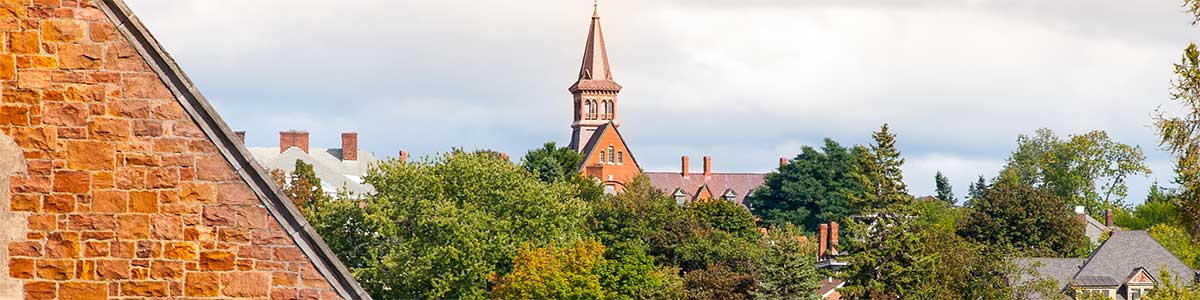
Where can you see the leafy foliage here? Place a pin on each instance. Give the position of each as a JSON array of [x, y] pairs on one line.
[[1022, 219], [889, 260], [553, 273], [1178, 242], [813, 188], [553, 164], [438, 228], [301, 185], [1170, 289], [1089, 170]]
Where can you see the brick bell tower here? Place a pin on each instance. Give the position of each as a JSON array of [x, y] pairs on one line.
[[595, 92]]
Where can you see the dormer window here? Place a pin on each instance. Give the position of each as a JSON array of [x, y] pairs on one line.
[[729, 195], [680, 197]]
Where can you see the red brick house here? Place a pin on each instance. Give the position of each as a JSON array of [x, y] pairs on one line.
[[124, 183]]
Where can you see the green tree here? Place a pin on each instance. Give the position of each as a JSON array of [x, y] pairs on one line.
[[976, 189], [889, 259], [1088, 170], [1159, 208], [945, 192], [552, 164], [301, 185], [1169, 289], [811, 189], [553, 273], [1024, 220], [788, 269], [880, 174], [436, 229], [628, 272], [1179, 242]]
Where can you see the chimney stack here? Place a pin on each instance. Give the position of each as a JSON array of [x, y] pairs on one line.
[[241, 136], [350, 146], [833, 238], [707, 166], [503, 156], [403, 156], [783, 161], [824, 242], [293, 138], [1108, 218], [684, 170]]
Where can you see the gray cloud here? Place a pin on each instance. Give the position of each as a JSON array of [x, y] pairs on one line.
[[744, 81]]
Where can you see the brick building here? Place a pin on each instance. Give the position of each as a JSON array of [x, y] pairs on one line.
[[338, 168], [595, 133], [124, 183]]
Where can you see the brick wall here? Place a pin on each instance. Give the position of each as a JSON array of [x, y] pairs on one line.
[[125, 197]]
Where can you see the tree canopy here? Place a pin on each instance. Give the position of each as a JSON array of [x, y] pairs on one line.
[[1019, 218], [811, 189], [1088, 170]]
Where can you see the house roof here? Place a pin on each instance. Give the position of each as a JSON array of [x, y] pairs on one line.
[[740, 183], [1093, 229], [592, 143], [828, 286], [334, 172], [1061, 270], [1095, 281], [1127, 250], [231, 148]]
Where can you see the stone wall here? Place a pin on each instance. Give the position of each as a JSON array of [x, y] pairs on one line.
[[125, 197]]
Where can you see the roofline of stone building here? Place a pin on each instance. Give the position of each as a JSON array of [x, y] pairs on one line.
[[231, 148]]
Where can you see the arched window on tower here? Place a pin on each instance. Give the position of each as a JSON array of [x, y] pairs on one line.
[[604, 104], [610, 110], [595, 107], [587, 112]]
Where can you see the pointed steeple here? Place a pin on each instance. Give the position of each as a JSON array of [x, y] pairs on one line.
[[595, 73]]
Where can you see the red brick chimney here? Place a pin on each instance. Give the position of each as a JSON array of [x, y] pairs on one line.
[[350, 146], [1108, 216], [833, 238], [684, 169], [503, 156], [783, 161], [293, 138], [824, 242], [707, 166], [241, 136], [403, 156]]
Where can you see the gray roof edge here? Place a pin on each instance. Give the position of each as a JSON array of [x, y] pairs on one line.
[[198, 108]]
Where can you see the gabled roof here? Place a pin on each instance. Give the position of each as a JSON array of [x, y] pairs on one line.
[[595, 73], [1061, 270], [702, 192], [328, 165], [600, 132], [741, 183], [231, 148], [1140, 271], [1127, 250]]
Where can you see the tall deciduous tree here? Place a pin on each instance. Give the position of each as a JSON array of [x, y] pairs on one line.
[[881, 174], [1089, 170], [1024, 220], [1181, 134], [811, 189], [436, 229], [945, 191]]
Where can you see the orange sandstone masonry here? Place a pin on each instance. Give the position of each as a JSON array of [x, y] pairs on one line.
[[124, 183]]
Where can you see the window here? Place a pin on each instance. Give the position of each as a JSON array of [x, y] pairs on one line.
[[611, 155], [680, 198], [610, 189], [587, 113], [604, 105], [602, 157], [729, 195], [595, 107], [620, 158], [1135, 294]]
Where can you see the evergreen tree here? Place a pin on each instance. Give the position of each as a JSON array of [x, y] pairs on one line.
[[880, 174], [945, 192], [788, 270], [976, 190]]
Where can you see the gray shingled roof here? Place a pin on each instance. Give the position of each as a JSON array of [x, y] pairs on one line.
[[334, 172], [1061, 270], [1095, 281], [1127, 250], [1093, 229]]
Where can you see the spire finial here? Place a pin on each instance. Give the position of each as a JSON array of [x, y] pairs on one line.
[[595, 8]]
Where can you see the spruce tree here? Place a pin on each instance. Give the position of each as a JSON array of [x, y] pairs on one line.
[[880, 174], [945, 192]]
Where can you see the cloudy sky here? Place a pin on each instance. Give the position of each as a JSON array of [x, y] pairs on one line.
[[745, 81]]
